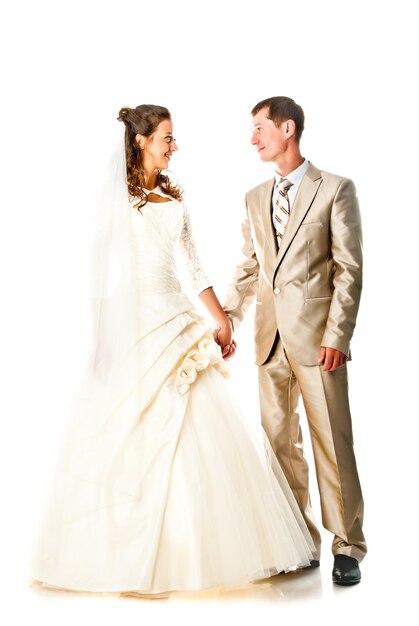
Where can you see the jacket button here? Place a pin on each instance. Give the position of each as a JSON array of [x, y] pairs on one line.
[[277, 291]]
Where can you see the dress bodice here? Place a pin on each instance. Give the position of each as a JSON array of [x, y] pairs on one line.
[[159, 230]]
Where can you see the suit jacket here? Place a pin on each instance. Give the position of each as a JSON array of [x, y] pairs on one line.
[[309, 291]]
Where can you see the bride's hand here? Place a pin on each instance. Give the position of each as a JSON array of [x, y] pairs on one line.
[[224, 337]]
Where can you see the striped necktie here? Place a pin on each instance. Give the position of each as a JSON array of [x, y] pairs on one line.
[[281, 211]]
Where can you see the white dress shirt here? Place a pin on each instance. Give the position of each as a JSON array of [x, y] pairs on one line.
[[295, 177]]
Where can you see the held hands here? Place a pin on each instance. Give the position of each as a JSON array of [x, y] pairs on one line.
[[331, 359], [224, 337]]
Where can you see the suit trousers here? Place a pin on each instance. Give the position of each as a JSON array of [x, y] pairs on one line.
[[326, 403]]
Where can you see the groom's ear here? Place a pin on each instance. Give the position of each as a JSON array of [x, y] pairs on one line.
[[289, 128]]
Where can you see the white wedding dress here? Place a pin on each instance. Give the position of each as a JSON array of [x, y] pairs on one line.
[[172, 490]]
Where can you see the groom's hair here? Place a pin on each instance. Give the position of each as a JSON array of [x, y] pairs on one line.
[[280, 109]]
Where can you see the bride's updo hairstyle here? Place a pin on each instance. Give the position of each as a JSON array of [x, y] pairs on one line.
[[143, 120]]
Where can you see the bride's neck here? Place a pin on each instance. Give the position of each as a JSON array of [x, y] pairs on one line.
[[150, 180]]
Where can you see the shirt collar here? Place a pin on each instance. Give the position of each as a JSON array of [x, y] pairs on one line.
[[295, 177]]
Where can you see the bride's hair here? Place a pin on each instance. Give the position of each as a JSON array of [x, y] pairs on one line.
[[143, 120]]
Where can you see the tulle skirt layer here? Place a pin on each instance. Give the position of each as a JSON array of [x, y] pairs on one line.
[[168, 488]]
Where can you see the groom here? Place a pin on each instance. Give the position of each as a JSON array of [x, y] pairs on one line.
[[302, 259]]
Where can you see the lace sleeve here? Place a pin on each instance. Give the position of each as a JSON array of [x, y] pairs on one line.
[[199, 279]]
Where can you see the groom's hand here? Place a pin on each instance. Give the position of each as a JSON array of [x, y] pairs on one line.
[[331, 359]]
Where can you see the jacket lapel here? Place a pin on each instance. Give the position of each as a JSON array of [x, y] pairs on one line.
[[263, 215], [305, 195], [265, 203]]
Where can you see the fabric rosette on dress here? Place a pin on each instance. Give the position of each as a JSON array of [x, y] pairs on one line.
[[206, 353]]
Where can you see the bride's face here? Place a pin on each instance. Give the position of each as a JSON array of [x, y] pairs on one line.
[[158, 148]]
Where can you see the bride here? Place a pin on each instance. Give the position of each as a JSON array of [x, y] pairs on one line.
[[162, 485]]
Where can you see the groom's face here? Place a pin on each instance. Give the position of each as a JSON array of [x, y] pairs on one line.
[[269, 140]]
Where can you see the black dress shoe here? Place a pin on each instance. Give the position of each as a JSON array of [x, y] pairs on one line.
[[346, 570], [313, 564]]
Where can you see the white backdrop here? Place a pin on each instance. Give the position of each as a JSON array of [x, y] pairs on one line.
[[67, 69]]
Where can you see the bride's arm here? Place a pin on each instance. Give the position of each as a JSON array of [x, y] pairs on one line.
[[203, 287], [224, 334]]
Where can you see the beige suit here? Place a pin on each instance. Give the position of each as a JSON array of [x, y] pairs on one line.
[[307, 296]]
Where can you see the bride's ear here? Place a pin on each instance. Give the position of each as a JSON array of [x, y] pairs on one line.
[[140, 141]]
